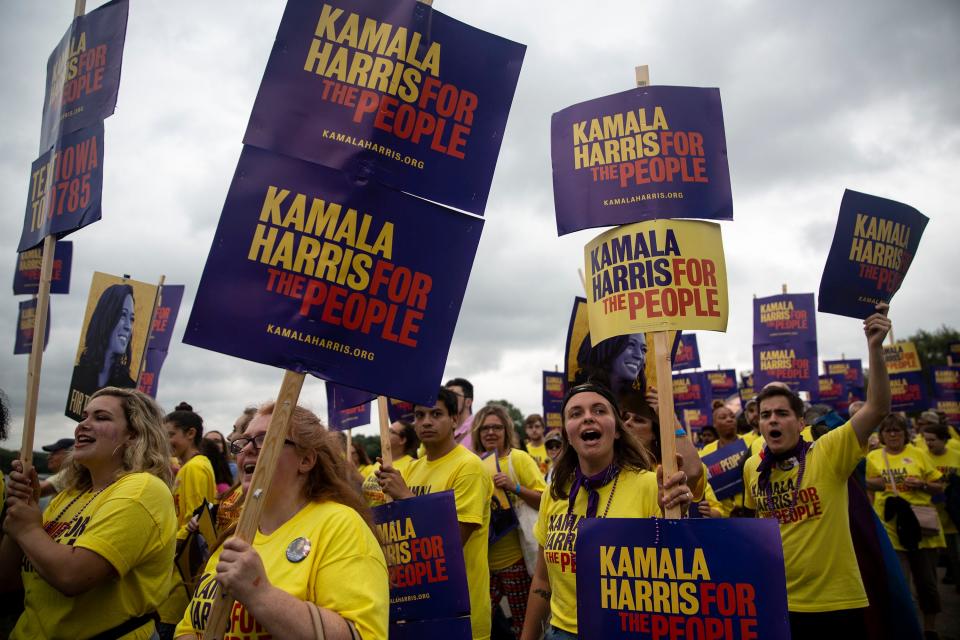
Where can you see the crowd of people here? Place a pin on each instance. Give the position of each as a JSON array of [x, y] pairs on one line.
[[124, 547]]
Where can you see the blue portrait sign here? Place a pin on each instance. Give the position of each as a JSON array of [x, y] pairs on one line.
[[26, 277], [83, 73], [66, 185], [428, 577], [719, 578], [650, 152], [873, 246], [311, 272], [392, 91]]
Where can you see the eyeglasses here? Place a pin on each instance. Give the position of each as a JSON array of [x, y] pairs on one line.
[[553, 444], [490, 427], [237, 445]]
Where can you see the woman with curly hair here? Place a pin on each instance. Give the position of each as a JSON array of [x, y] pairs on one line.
[[97, 561]]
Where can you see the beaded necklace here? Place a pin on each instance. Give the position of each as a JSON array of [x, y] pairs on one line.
[[78, 513]]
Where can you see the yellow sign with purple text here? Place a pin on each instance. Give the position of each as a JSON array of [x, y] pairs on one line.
[[901, 357], [654, 276]]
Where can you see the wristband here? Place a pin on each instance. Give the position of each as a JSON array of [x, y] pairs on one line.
[[680, 432], [517, 490]]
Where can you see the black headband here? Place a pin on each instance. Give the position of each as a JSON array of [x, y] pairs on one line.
[[590, 387]]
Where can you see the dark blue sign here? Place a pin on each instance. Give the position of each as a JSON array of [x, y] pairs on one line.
[[161, 331], [851, 370], [788, 317], [66, 184], [26, 319], [793, 363], [946, 383], [727, 576], [646, 153], [692, 399], [26, 277], [421, 542], [725, 468], [723, 382], [391, 91], [908, 392], [347, 408], [311, 272], [686, 354], [83, 73], [833, 390], [873, 246]]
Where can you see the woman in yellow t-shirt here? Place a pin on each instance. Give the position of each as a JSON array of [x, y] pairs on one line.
[[315, 543], [603, 471], [947, 462], [519, 475], [97, 561], [901, 469]]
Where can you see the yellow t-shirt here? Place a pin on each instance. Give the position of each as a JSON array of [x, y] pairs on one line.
[[911, 462], [727, 505], [463, 472], [344, 571], [506, 551], [807, 433], [757, 445], [632, 494], [372, 492], [821, 566], [539, 455], [948, 464], [131, 524]]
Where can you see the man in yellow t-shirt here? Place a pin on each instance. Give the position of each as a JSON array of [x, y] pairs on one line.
[[804, 486], [448, 466], [535, 445]]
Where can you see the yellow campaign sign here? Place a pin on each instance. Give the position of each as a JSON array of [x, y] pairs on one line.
[[656, 275], [901, 357]]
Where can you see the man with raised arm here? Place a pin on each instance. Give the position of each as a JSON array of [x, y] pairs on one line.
[[804, 486]]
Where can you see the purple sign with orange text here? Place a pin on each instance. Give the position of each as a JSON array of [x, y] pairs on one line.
[[26, 277]]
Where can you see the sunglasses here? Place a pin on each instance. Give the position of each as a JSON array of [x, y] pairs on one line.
[[237, 445], [553, 444]]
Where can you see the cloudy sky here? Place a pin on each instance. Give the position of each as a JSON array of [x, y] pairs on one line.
[[817, 96]]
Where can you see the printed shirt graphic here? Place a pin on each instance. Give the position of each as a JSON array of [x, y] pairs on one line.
[[506, 551], [913, 463], [822, 572], [463, 472], [949, 465], [345, 572], [372, 492], [539, 454], [556, 531], [136, 503]]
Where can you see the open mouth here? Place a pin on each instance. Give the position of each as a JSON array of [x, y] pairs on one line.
[[84, 439], [775, 433], [249, 467], [590, 435]]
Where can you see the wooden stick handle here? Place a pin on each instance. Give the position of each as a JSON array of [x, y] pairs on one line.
[[36, 350], [386, 451], [253, 503], [668, 444]]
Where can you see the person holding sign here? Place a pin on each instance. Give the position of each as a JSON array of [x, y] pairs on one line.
[[519, 475], [900, 469], [315, 544], [603, 471], [448, 466], [97, 562], [404, 444], [725, 423], [804, 486]]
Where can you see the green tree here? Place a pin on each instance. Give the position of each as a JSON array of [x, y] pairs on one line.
[[933, 347], [515, 414]]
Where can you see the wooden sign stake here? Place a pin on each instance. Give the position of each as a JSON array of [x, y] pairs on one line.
[[386, 451], [668, 420], [36, 350], [253, 503]]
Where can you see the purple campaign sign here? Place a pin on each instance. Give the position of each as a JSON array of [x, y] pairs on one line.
[[312, 272], [164, 320], [421, 542], [953, 354], [788, 317], [66, 185], [26, 277], [446, 628], [794, 363], [833, 390], [83, 73], [727, 576], [851, 370], [686, 354], [346, 407], [554, 388], [723, 382], [646, 153], [725, 468], [391, 91], [873, 246], [908, 392], [691, 393], [946, 383], [26, 319]]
